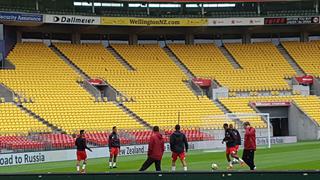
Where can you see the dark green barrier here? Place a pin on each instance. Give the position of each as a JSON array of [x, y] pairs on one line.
[[217, 175]]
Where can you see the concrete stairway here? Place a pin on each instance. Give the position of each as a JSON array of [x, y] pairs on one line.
[[133, 115], [6, 93], [230, 58], [69, 62], [37, 117], [290, 60], [221, 106], [120, 58], [177, 61], [196, 91]]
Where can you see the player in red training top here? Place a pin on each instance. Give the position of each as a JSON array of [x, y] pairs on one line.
[[114, 147], [81, 151], [249, 145]]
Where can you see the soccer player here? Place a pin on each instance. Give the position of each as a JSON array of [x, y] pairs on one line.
[[81, 151], [155, 150], [237, 141], [249, 145], [231, 146], [114, 147], [178, 146]]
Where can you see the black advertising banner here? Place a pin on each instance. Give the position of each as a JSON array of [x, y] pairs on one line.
[[302, 20], [291, 20]]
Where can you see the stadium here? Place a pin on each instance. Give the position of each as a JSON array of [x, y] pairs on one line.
[[126, 66]]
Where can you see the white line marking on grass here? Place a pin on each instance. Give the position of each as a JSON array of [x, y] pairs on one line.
[[215, 150]]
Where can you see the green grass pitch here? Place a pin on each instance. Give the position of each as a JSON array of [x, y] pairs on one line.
[[299, 156]]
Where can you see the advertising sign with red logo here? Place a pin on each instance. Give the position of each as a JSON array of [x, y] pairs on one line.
[[305, 79], [95, 81], [270, 104], [202, 82]]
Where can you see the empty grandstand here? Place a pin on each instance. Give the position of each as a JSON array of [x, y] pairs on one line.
[[148, 57], [156, 84]]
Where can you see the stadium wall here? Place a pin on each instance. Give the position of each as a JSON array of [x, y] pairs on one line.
[[1, 43], [10, 39], [11, 159], [301, 125], [217, 175], [316, 86], [7, 40]]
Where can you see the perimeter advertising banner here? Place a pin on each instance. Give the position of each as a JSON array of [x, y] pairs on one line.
[[66, 19], [235, 21], [120, 21], [291, 20], [131, 21], [21, 17], [11, 159], [270, 104]]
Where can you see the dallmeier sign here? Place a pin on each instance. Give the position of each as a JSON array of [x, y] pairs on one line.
[[61, 19]]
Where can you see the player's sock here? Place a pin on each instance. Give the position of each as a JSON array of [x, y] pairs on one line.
[[114, 164], [110, 164], [185, 168], [83, 166], [230, 164], [78, 168], [241, 162], [173, 168]]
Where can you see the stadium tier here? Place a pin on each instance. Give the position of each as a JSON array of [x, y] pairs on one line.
[[36, 142], [156, 84], [309, 105], [13, 121], [57, 141], [41, 75], [262, 66], [143, 136], [20, 143], [306, 54]]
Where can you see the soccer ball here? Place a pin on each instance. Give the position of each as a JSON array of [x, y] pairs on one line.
[[235, 161], [214, 166]]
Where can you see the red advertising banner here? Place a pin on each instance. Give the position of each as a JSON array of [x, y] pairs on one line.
[[305, 79], [95, 81], [270, 104], [203, 83]]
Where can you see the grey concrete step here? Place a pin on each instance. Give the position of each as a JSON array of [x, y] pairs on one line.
[[290, 60], [120, 58], [37, 117], [230, 58], [179, 63], [133, 115], [221, 106]]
